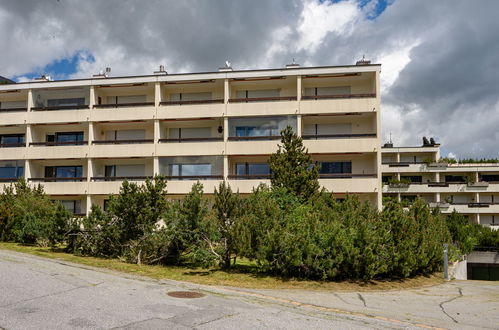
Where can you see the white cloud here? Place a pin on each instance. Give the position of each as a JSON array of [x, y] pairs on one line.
[[320, 19]]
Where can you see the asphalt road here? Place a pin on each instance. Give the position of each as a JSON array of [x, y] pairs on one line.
[[38, 293]]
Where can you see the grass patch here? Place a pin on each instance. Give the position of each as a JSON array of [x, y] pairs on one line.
[[244, 275]]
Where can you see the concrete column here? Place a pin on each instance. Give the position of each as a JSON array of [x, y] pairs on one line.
[[90, 169], [27, 169], [226, 91], [476, 177], [29, 135], [226, 167], [298, 125], [437, 197], [91, 99], [397, 157], [298, 88], [155, 165], [157, 93], [399, 199], [437, 177], [226, 129], [157, 131], [89, 204], [90, 133], [29, 103]]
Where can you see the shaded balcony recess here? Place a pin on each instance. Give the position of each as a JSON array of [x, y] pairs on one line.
[[14, 109], [124, 105], [12, 145], [134, 141], [61, 179], [195, 139], [180, 102], [478, 204], [60, 143], [262, 99], [61, 107], [336, 136], [9, 179], [252, 138], [194, 177], [339, 96], [120, 178], [345, 175], [249, 176]]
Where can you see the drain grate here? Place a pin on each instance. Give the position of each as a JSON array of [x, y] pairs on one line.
[[185, 294]]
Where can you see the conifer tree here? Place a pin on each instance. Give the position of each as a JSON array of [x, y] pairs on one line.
[[291, 167]]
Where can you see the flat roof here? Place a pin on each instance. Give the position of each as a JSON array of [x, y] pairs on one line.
[[317, 70]]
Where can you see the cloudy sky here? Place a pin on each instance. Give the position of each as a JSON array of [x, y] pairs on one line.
[[440, 59]]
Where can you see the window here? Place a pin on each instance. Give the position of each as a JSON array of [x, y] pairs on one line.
[[454, 178], [335, 167], [190, 170], [12, 140], [73, 206], [325, 91], [126, 134], [256, 169], [63, 171], [385, 178], [255, 131], [110, 170], [11, 169], [189, 132], [66, 102], [413, 178], [263, 93], [490, 177], [129, 99], [65, 137], [191, 96]]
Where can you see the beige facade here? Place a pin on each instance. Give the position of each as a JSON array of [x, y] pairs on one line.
[[81, 138], [471, 189]]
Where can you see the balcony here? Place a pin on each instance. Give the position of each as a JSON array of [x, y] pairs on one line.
[[342, 145], [124, 105], [338, 104], [353, 183], [337, 136], [262, 106], [59, 143], [192, 102], [57, 150], [120, 178], [61, 107], [190, 146], [123, 111], [20, 109], [58, 179], [122, 148]]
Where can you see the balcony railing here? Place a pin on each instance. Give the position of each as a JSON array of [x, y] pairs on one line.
[[134, 141], [194, 177], [45, 179], [124, 105], [197, 139], [14, 110], [249, 176], [12, 145], [336, 136], [341, 96], [9, 179], [401, 164], [262, 99], [215, 101], [61, 143], [120, 178], [345, 175], [478, 204], [254, 138], [61, 107]]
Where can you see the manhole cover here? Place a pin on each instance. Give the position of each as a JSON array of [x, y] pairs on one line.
[[185, 294]]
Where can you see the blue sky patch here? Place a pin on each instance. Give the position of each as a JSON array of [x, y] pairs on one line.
[[379, 8], [61, 68]]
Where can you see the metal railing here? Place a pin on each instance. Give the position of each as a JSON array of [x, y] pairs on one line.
[[61, 107], [340, 96], [345, 175], [61, 143], [197, 139], [180, 102], [47, 179], [120, 178], [14, 110], [249, 176], [194, 177], [336, 136], [262, 99], [124, 105], [133, 141], [12, 145], [254, 138]]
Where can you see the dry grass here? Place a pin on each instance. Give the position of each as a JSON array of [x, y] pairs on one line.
[[245, 274]]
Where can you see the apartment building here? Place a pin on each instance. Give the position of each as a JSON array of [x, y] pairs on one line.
[[81, 138], [470, 189]]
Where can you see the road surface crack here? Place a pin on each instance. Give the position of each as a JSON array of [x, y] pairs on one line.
[[449, 300], [362, 299], [43, 296]]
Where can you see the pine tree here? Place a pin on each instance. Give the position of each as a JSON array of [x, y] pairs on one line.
[[291, 167]]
